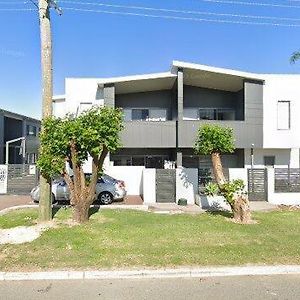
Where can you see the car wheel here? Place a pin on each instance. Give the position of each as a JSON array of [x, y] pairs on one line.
[[53, 199], [105, 198]]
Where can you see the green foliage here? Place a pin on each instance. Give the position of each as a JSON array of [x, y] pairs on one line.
[[211, 189], [89, 133], [295, 57], [232, 188], [214, 138]]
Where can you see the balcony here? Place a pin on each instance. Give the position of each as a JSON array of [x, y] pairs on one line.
[[147, 134], [245, 133]]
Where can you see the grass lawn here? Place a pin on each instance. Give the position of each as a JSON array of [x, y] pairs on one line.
[[123, 239]]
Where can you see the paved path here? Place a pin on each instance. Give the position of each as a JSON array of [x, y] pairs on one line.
[[247, 287], [7, 201]]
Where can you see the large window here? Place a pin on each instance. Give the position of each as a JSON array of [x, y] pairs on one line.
[[149, 161], [209, 114], [283, 115], [31, 130], [145, 114]]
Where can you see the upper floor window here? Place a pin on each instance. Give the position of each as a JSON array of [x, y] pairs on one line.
[[30, 130], [145, 114], [283, 115], [209, 114]]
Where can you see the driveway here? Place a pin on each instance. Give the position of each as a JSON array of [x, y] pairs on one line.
[[7, 201]]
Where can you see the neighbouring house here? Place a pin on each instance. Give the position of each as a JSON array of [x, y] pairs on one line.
[[25, 129], [163, 111]]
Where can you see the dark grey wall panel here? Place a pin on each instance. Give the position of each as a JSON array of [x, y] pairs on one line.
[[156, 99], [202, 97], [149, 134], [247, 132], [1, 138]]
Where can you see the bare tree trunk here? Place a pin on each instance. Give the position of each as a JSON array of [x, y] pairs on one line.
[[240, 205], [241, 209], [47, 86], [81, 210], [218, 168]]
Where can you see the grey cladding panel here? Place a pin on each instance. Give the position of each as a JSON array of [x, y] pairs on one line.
[[156, 99], [149, 134]]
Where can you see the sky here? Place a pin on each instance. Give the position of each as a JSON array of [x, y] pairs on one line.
[[93, 44]]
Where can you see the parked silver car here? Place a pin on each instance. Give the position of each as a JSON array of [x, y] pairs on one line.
[[108, 189]]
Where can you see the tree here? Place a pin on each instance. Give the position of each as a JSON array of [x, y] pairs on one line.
[[295, 57], [71, 141], [215, 140]]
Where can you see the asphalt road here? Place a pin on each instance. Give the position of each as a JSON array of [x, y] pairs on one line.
[[246, 287]]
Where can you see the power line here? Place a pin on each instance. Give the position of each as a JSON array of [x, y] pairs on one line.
[[252, 3], [16, 9], [183, 11], [12, 3], [181, 18]]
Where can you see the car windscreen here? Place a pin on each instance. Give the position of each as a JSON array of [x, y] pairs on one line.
[[108, 179]]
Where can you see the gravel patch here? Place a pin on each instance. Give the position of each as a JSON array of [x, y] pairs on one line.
[[22, 234]]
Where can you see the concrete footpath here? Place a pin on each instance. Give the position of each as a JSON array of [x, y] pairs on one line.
[[215, 288], [192, 272]]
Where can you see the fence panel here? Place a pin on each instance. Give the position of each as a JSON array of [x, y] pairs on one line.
[[287, 180], [206, 175], [21, 179]]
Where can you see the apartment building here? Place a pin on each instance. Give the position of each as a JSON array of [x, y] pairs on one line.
[[163, 111], [25, 130]]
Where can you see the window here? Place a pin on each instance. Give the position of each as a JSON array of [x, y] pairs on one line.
[[145, 114], [207, 114], [30, 130], [190, 114], [140, 114], [225, 114], [283, 115], [221, 114], [269, 161], [157, 114]]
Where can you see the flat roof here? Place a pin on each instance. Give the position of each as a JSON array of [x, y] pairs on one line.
[[14, 115]]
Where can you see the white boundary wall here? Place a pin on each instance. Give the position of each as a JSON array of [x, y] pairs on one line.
[[3, 179], [280, 198], [132, 176], [149, 186], [186, 184]]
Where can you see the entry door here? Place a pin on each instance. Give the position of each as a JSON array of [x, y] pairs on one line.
[[257, 185], [165, 186]]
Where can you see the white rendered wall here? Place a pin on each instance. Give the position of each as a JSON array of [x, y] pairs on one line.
[[239, 173], [280, 198], [149, 186], [281, 88], [132, 176], [186, 184], [282, 158]]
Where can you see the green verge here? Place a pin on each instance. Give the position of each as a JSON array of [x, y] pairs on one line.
[[127, 239]]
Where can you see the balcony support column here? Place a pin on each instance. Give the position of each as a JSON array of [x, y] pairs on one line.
[[178, 159], [109, 95]]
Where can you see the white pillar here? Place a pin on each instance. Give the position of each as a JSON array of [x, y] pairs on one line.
[[294, 160], [271, 183], [149, 186], [186, 184]]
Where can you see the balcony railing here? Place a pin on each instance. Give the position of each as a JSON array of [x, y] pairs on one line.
[[245, 134], [146, 134]]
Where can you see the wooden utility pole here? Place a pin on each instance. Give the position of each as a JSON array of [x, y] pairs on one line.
[[45, 204]]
